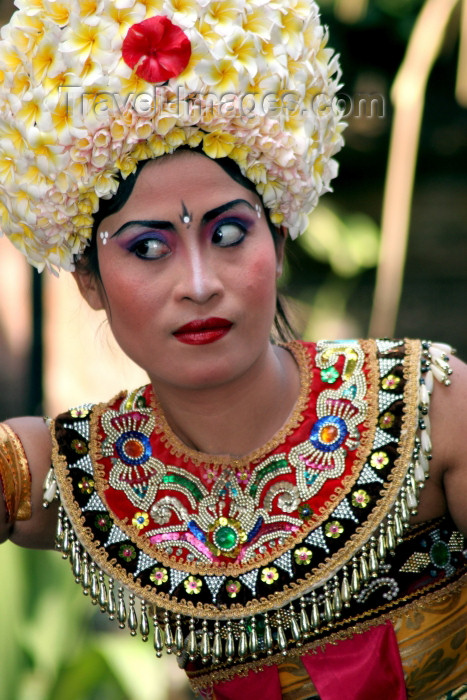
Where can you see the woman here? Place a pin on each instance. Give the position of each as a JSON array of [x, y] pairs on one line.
[[243, 507]]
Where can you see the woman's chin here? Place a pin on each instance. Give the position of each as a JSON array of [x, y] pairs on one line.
[[205, 374]]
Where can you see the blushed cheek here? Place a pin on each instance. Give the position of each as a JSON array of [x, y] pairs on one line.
[[261, 279]]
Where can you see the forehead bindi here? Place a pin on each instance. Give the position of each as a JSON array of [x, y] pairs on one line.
[[186, 217]]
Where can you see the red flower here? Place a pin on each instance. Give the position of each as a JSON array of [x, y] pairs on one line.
[[157, 49]]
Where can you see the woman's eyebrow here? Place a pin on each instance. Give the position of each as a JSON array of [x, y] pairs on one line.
[[210, 215], [152, 223], [168, 225]]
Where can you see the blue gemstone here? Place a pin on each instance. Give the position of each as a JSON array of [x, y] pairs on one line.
[[136, 442], [328, 433]]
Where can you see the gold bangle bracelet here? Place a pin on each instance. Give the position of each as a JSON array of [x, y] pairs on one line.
[[15, 478]]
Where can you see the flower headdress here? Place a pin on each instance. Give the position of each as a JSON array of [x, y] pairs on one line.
[[90, 87]]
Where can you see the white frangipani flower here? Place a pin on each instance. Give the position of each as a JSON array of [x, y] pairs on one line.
[[258, 87]]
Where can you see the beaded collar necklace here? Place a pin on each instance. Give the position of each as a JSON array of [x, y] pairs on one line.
[[287, 545]]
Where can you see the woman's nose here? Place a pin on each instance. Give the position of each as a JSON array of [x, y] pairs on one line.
[[199, 277]]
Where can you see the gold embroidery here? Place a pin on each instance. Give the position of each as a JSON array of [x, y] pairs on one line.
[[312, 578]]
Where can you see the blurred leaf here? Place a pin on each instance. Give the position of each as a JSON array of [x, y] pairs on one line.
[[349, 244], [88, 676], [125, 654]]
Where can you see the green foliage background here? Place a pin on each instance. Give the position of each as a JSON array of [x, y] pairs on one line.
[[54, 645]]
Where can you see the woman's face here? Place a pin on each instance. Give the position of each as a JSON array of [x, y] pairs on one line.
[[188, 272]]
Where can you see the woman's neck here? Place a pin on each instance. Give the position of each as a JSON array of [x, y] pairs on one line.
[[237, 418]]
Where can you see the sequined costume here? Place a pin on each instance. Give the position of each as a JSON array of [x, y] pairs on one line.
[[248, 568]]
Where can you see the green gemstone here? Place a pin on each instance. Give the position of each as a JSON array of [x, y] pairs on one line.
[[226, 537], [440, 554]]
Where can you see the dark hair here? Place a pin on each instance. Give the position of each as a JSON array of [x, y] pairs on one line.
[[89, 260]]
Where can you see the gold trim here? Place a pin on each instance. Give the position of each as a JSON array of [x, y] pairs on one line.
[[14, 476]]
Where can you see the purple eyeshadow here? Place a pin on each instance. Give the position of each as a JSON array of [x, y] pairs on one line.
[[244, 222]]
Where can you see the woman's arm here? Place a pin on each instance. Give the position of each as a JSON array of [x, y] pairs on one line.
[[449, 431], [38, 530], [446, 488]]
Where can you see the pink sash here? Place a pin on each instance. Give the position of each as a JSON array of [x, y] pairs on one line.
[[363, 667]]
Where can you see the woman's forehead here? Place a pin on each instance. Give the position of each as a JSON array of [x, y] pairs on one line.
[[185, 174]]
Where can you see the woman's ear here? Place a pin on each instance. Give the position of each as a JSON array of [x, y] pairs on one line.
[[90, 287]]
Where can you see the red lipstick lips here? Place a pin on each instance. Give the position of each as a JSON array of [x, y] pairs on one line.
[[203, 331]]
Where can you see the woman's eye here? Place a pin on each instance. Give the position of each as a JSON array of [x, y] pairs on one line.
[[150, 248], [228, 234]]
